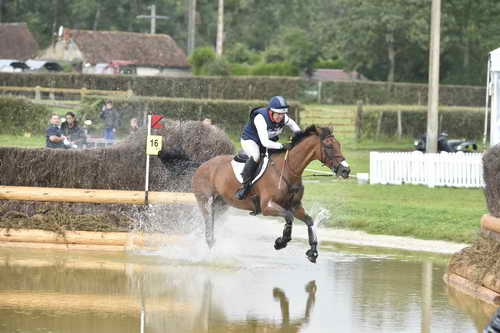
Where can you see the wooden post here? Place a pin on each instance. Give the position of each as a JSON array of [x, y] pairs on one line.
[[320, 87], [358, 124], [400, 125], [433, 102], [83, 92], [38, 94], [379, 123], [51, 95], [130, 93]]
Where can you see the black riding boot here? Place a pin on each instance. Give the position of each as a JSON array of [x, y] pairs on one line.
[[247, 174]]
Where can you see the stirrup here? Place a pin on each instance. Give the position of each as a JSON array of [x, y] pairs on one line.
[[242, 192]]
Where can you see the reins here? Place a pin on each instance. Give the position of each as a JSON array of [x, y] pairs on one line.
[[282, 169]]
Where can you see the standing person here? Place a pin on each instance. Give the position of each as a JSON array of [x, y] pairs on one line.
[[134, 125], [72, 130], [110, 117], [262, 130], [54, 137]]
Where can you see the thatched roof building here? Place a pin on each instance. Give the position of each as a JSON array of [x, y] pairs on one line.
[[17, 42], [149, 53]]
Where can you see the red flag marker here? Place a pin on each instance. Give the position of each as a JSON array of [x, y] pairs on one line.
[[155, 121]]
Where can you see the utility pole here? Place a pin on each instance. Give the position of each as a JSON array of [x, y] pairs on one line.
[[153, 18], [433, 102], [220, 29], [191, 26]]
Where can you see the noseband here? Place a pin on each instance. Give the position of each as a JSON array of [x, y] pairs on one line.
[[324, 152]]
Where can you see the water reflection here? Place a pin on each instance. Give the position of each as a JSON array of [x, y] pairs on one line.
[[297, 324], [82, 292]]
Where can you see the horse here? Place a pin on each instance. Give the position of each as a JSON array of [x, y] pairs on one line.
[[278, 192]]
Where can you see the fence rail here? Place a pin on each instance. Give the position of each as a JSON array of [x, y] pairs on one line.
[[444, 169], [52, 91]]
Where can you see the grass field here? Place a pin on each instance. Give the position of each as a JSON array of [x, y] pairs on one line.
[[408, 210]]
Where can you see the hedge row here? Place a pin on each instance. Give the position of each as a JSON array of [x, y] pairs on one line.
[[254, 88], [229, 115], [458, 124], [19, 115]]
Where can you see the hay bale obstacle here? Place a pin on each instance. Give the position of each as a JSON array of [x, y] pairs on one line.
[[120, 167], [476, 269]]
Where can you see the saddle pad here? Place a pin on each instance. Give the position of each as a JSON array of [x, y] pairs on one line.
[[238, 169]]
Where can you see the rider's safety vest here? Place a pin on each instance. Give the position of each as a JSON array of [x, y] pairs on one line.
[[273, 129]]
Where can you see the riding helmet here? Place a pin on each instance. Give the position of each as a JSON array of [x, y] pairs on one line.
[[278, 104]]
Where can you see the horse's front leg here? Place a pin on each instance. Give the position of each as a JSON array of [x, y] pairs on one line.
[[271, 208], [300, 213]]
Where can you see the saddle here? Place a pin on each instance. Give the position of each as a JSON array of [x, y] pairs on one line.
[[239, 160]]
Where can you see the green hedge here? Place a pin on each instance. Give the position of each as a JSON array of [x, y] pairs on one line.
[[458, 124], [229, 115], [254, 88], [19, 115]]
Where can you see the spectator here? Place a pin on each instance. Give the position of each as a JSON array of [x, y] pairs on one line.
[[54, 137], [71, 129], [134, 125], [110, 117]]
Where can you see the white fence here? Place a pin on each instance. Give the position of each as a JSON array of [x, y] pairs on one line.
[[444, 169]]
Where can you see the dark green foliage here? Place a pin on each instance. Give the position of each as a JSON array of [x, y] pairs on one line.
[[458, 124], [228, 115], [18, 115], [200, 59], [241, 88], [218, 67]]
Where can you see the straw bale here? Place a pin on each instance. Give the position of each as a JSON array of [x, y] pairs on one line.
[[491, 175], [122, 167], [185, 146]]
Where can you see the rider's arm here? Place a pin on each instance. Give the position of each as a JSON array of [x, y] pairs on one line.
[[261, 126], [291, 124]]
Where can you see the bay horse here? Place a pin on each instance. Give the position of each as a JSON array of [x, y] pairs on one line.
[[278, 192]]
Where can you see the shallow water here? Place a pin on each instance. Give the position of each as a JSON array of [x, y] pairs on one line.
[[243, 285]]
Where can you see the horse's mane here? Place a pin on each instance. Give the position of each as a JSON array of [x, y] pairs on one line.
[[322, 132]]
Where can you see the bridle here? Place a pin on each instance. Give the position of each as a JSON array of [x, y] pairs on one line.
[[330, 155]]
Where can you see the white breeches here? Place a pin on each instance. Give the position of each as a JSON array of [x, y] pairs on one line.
[[251, 148]]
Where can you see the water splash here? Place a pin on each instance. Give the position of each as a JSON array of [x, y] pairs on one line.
[[319, 214]]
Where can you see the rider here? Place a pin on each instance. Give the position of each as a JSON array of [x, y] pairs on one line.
[[262, 130]]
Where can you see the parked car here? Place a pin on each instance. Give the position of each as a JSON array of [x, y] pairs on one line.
[[448, 145]]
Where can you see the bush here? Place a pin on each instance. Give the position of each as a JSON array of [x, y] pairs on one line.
[[200, 58], [332, 92], [458, 124], [275, 69], [18, 116], [240, 53], [218, 67], [229, 115]]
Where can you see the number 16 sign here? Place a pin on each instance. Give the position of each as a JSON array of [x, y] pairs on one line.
[[153, 144]]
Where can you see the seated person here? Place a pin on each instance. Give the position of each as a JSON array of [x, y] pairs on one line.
[[71, 129], [54, 137]]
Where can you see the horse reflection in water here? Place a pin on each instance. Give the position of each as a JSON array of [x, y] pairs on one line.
[[206, 320], [278, 192]]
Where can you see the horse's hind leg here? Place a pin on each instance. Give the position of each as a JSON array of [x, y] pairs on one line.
[[300, 213], [206, 206]]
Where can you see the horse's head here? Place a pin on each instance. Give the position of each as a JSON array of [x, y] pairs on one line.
[[331, 154]]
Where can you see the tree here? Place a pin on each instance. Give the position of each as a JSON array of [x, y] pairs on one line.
[[373, 35]]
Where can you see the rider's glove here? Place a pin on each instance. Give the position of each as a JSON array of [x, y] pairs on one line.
[[287, 146]]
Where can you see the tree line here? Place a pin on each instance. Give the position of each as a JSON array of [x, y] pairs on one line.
[[384, 40]]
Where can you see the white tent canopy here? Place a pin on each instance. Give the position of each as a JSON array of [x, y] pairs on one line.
[[493, 90]]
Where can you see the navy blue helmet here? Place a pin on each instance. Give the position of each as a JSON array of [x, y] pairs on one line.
[[278, 104]]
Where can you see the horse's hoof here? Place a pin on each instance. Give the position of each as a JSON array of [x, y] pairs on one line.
[[210, 244], [279, 244], [312, 255]]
